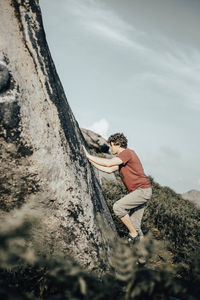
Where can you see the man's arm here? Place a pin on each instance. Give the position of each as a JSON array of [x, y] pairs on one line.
[[105, 162], [105, 169]]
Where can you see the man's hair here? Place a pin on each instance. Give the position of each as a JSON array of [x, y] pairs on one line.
[[118, 139]]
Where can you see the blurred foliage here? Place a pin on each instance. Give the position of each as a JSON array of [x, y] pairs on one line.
[[164, 265], [25, 274]]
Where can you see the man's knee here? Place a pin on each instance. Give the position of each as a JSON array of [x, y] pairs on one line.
[[115, 208], [118, 211]]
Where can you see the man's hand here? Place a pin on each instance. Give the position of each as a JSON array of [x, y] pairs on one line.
[[99, 167], [105, 162]]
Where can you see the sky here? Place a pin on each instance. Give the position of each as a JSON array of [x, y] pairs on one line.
[[133, 66]]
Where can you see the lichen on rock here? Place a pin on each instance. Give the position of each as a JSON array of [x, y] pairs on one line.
[[42, 159], [4, 77]]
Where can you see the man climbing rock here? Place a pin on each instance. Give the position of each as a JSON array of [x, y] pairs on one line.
[[130, 208]]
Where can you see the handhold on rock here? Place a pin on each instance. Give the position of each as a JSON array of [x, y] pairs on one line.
[[95, 141], [4, 77]]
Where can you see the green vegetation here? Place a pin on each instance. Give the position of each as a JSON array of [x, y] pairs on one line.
[[170, 249], [169, 217]]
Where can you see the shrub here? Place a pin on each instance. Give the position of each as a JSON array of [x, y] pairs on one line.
[[142, 271], [169, 217]]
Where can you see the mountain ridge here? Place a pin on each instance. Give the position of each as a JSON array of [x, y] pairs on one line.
[[192, 195]]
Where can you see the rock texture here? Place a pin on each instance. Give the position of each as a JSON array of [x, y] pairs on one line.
[[193, 196], [95, 141], [98, 145], [4, 77], [42, 160]]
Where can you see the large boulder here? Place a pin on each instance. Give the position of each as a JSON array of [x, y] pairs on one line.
[[42, 160], [4, 77], [100, 147], [95, 141]]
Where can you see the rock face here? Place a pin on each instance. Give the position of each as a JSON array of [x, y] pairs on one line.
[[193, 196], [98, 145], [4, 77], [41, 153], [95, 141]]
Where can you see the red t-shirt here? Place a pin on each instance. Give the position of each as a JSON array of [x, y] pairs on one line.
[[131, 171]]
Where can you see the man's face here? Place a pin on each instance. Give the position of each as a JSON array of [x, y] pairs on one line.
[[114, 148]]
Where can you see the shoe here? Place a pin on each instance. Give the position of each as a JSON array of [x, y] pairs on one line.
[[141, 261], [132, 239]]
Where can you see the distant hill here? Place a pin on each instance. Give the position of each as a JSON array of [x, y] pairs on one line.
[[193, 196]]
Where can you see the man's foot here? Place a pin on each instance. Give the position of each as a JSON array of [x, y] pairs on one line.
[[132, 239], [141, 261]]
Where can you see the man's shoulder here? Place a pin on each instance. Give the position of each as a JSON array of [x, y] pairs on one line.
[[130, 151], [126, 154], [131, 154]]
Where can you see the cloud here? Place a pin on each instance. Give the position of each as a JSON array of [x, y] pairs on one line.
[[101, 127], [170, 153], [164, 156], [181, 89], [114, 35], [166, 65], [100, 21]]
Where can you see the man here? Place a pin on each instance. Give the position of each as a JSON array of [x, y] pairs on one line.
[[130, 208]]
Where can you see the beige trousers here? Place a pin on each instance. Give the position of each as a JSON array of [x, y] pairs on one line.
[[133, 204]]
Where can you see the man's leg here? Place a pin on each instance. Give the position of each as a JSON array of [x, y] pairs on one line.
[[137, 213], [136, 218], [124, 205], [127, 222]]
